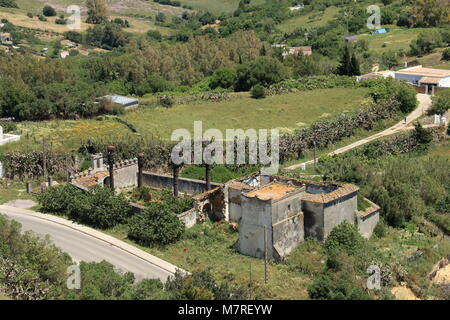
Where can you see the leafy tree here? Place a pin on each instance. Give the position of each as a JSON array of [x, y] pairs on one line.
[[441, 103], [386, 89], [426, 42], [31, 268], [446, 54], [8, 4], [74, 36], [349, 63], [97, 11], [224, 78], [263, 70], [48, 11], [430, 13], [156, 225]]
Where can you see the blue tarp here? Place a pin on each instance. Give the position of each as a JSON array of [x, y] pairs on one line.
[[379, 31]]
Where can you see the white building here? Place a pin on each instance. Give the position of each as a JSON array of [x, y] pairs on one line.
[[425, 77]]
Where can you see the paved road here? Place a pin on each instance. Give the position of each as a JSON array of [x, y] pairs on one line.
[[424, 105], [84, 247]]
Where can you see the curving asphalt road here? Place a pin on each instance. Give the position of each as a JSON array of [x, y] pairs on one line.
[[82, 246]]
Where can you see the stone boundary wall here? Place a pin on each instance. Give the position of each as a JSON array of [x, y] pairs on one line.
[[185, 185]]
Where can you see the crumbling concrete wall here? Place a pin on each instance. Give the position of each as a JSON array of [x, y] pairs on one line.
[[251, 229], [125, 175], [338, 211], [287, 235], [185, 185], [367, 220], [211, 204], [314, 219], [189, 218]]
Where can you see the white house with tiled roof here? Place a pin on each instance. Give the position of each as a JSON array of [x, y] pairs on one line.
[[425, 77]]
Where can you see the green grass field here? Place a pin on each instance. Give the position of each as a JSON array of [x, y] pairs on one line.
[[216, 6], [286, 112], [311, 19], [397, 38]]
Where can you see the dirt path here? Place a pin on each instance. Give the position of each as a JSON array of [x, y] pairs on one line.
[[424, 105]]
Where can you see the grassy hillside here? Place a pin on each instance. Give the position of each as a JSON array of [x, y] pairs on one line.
[[311, 19], [216, 6], [139, 13]]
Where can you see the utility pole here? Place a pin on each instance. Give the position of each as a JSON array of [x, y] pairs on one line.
[[251, 284]]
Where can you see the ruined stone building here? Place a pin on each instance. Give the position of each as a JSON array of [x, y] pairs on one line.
[[279, 212], [272, 213]]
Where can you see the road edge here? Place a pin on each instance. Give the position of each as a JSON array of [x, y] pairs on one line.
[[139, 253]]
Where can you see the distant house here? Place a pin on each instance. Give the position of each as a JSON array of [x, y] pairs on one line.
[[5, 38], [64, 54], [297, 7], [214, 25], [377, 74], [305, 50], [351, 38], [126, 102], [427, 78], [380, 31]]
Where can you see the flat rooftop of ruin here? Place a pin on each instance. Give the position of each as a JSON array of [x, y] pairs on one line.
[[272, 191]]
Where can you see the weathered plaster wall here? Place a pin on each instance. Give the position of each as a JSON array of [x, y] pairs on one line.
[[188, 186], [338, 211], [257, 214], [287, 235], [124, 177], [314, 224]]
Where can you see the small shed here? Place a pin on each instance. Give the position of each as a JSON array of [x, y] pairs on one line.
[[126, 102]]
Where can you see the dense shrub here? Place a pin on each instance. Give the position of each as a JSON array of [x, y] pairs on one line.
[[258, 92], [57, 199], [156, 225], [31, 268], [441, 103], [100, 208], [8, 4], [345, 237], [202, 285], [48, 11], [326, 287], [446, 54], [263, 70], [224, 78], [393, 89]]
